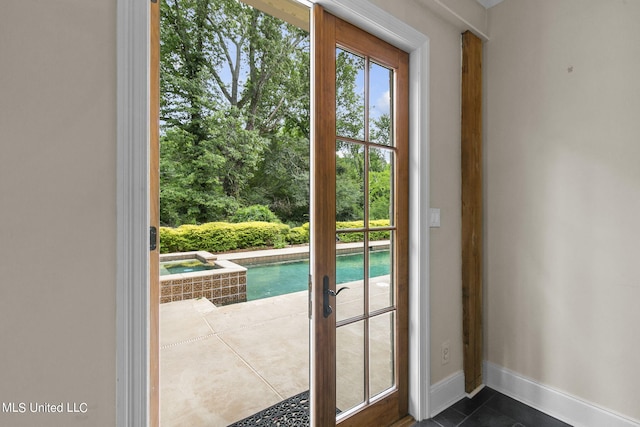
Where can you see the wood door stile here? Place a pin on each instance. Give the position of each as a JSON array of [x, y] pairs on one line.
[[323, 253], [402, 234]]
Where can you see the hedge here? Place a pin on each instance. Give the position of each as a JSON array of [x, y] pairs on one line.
[[298, 235], [222, 236], [358, 237]]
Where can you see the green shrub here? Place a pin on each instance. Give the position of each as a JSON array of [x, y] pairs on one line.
[[254, 213], [222, 236], [279, 242], [358, 237], [172, 240], [298, 235]]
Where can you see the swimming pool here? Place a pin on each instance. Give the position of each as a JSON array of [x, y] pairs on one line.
[[270, 280]]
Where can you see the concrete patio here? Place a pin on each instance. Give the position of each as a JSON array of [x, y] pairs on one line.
[[219, 365]]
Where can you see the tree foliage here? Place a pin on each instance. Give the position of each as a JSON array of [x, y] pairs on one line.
[[254, 213], [235, 118], [234, 99]]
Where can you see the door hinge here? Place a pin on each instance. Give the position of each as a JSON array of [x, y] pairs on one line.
[[153, 238]]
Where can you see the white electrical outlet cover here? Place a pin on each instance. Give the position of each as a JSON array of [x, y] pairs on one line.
[[434, 217]]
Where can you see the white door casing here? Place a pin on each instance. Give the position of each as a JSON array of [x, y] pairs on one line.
[[132, 287]]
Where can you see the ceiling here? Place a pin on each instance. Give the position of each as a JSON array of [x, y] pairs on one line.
[[489, 3]]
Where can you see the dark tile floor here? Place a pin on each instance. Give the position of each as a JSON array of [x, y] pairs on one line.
[[490, 408]]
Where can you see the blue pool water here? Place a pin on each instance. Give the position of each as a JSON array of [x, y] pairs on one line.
[[184, 266], [270, 280]]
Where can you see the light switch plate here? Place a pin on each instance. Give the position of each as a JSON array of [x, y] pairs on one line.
[[434, 217]]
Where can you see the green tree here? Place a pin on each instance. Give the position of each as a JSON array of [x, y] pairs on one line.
[[190, 187], [235, 118], [282, 180], [380, 193], [254, 213], [231, 79]]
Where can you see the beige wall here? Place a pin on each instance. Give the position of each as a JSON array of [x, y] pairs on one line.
[[563, 196], [57, 208], [445, 259]]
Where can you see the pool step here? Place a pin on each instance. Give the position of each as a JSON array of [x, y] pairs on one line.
[[203, 305]]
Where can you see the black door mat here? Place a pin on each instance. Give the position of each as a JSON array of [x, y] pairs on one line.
[[293, 411]]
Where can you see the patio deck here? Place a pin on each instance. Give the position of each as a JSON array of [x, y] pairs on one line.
[[219, 365]]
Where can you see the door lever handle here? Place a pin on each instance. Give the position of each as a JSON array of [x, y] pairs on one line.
[[326, 292], [334, 293]]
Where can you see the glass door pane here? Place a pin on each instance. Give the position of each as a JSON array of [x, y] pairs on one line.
[[364, 200], [350, 366], [380, 106], [381, 179], [350, 183], [381, 353], [381, 277], [350, 102], [350, 269]]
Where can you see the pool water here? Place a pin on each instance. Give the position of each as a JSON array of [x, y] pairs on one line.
[[270, 280], [184, 266]]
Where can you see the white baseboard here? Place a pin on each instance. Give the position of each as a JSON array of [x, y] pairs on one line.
[[567, 408], [447, 392]]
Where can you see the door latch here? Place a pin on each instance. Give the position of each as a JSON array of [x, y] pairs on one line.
[[153, 238]]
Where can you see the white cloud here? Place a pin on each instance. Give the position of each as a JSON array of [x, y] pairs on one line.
[[382, 104]]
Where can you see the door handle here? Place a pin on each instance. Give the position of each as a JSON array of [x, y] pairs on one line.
[[335, 294], [326, 293]]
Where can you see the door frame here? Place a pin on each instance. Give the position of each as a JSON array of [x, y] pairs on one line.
[[132, 199]]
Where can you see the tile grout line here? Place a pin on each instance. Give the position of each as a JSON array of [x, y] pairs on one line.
[[473, 412], [264, 380]]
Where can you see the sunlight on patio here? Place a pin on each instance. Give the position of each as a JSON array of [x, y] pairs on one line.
[[221, 364]]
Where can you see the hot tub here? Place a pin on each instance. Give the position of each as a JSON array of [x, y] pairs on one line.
[[201, 275]]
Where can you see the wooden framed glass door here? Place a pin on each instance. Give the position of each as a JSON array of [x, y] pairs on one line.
[[359, 156]]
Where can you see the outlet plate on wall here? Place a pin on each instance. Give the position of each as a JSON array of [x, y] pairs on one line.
[[434, 217], [445, 352]]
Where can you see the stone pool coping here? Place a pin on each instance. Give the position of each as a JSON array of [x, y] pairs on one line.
[[293, 253], [202, 256], [226, 267]]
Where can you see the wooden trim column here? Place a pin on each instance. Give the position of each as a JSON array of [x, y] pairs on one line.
[[471, 147]]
